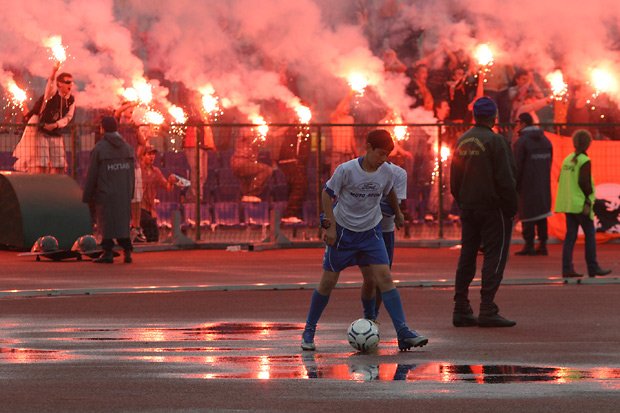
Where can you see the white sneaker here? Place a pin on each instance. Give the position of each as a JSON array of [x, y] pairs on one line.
[[250, 198], [291, 220]]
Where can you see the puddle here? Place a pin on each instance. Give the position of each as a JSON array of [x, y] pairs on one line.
[[265, 351]]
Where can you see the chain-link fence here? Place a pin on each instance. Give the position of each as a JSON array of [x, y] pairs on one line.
[[238, 182]]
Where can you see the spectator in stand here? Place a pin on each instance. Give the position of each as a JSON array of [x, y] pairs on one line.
[[496, 87], [134, 135], [343, 145], [461, 89], [418, 88], [579, 110], [42, 149], [245, 166], [391, 63], [449, 135], [533, 155], [526, 96], [197, 132], [152, 180], [292, 154]]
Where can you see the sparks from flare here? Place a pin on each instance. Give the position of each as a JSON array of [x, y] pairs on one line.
[[54, 43], [358, 82], [210, 103], [399, 131], [18, 96], [303, 113], [559, 88], [140, 91], [178, 128], [603, 82], [484, 55], [152, 117], [261, 127]]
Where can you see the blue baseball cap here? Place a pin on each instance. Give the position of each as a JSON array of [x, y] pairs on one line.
[[485, 107]]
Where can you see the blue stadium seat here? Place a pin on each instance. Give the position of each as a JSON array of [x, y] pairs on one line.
[[226, 213], [164, 213], [189, 211], [6, 161], [256, 213]]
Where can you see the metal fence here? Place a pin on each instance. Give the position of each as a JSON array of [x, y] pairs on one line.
[[249, 186]]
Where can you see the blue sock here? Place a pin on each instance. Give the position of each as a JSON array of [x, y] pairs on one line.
[[317, 305], [370, 308], [394, 307]]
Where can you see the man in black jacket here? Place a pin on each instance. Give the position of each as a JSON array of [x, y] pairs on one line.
[[110, 186], [533, 155], [482, 182]]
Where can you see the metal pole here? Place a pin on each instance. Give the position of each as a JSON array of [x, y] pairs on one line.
[[197, 186], [440, 180]]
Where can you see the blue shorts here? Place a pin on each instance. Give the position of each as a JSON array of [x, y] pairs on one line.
[[355, 248]]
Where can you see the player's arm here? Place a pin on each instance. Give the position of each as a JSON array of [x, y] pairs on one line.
[[399, 218], [328, 209]]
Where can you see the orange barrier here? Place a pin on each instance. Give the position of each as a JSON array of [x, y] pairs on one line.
[[605, 156]]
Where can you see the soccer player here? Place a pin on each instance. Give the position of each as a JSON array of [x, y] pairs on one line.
[[354, 234], [370, 300], [371, 295]]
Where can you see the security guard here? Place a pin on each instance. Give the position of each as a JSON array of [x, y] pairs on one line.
[[482, 181]]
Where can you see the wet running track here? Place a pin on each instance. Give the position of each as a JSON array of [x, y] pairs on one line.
[[83, 342]]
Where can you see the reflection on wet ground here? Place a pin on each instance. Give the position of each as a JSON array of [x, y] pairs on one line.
[[262, 351]]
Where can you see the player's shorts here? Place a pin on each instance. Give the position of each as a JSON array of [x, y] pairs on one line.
[[138, 188], [50, 151], [355, 248], [388, 239]]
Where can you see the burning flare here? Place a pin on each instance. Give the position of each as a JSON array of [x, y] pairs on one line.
[[18, 95], [358, 82], [303, 113], [141, 91], [603, 81], [484, 55], [262, 127], [210, 102], [178, 114], [153, 117], [558, 85], [54, 43]]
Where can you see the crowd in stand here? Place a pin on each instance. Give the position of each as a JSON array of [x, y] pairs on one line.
[[445, 93]]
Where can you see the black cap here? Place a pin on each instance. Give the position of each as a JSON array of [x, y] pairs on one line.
[[526, 119], [485, 107], [109, 124]]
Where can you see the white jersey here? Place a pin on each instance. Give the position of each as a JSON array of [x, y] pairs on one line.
[[359, 193], [400, 189]]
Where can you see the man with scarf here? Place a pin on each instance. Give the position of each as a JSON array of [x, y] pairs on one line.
[[54, 110]]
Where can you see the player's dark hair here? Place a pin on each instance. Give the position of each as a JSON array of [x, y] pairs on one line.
[[380, 139], [581, 141]]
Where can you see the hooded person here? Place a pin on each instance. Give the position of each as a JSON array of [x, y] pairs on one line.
[[533, 154], [110, 187]]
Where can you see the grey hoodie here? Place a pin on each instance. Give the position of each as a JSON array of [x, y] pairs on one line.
[[110, 185]]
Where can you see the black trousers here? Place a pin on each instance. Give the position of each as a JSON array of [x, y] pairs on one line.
[[107, 244], [491, 229], [531, 227]]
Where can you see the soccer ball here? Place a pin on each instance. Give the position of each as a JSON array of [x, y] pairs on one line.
[[363, 335]]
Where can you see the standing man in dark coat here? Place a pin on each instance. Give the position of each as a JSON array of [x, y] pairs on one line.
[[482, 182], [110, 185], [533, 155]]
